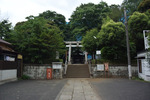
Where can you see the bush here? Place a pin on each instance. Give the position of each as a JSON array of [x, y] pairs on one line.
[[99, 61], [25, 77]]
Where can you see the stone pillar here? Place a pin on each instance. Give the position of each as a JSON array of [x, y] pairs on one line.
[[86, 58], [69, 57]]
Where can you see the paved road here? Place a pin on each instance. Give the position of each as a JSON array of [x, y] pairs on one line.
[[121, 89], [31, 90], [78, 89]]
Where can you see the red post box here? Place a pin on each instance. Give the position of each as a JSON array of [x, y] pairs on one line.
[[49, 73]]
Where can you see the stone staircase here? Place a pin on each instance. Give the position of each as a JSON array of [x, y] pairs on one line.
[[78, 71]]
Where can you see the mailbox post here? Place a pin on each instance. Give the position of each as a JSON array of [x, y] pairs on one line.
[[49, 73]]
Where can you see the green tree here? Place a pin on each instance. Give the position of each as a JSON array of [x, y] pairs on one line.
[[137, 23], [37, 40], [5, 29], [89, 41], [58, 19], [144, 6], [112, 41], [87, 17], [116, 13], [131, 5], [67, 33]]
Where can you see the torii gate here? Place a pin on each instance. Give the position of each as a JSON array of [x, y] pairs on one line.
[[71, 44]]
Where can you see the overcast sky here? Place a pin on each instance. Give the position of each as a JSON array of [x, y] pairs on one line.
[[16, 10]]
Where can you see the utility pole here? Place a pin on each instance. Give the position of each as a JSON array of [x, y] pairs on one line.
[[127, 42]]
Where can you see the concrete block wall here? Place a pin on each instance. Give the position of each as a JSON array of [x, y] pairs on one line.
[[8, 74], [114, 71]]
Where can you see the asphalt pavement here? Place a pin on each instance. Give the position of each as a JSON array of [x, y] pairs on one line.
[[31, 90], [121, 89], [76, 89]]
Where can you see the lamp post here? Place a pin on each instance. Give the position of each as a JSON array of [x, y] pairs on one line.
[[128, 48]]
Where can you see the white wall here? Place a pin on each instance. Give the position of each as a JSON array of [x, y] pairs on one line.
[[8, 74], [0, 75], [145, 70]]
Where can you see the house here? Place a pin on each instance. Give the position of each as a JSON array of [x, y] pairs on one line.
[[8, 61], [143, 59]]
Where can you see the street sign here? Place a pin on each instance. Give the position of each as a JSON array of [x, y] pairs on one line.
[[98, 52]]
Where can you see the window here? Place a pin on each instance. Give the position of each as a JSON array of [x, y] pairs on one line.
[[1, 57], [9, 58], [140, 66]]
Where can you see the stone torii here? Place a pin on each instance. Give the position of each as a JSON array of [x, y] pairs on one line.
[[71, 44]]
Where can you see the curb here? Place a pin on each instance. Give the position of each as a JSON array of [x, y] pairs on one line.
[[7, 81]]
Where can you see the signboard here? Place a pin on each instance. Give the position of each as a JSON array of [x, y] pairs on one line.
[[100, 67], [57, 65], [98, 52], [146, 41], [19, 56]]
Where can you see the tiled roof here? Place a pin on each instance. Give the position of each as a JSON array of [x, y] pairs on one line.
[[4, 42]]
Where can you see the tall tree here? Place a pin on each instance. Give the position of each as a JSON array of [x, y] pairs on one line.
[[144, 6], [131, 5], [5, 29], [58, 19], [37, 39], [112, 41], [89, 41], [87, 17], [137, 23], [116, 13]]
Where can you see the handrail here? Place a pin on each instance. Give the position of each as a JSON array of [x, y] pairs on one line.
[[66, 65], [89, 65]]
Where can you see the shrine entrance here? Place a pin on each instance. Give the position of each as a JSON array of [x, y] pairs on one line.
[[75, 54], [78, 56]]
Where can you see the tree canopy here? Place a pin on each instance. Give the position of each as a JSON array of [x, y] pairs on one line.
[[88, 16], [89, 41], [116, 13], [58, 19], [99, 26], [144, 6], [5, 29], [131, 5], [37, 39], [137, 23], [112, 40]]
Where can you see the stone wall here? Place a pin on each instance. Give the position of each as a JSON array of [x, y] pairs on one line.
[[35, 71], [114, 71], [39, 71]]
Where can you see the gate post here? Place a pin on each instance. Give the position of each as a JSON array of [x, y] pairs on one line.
[[86, 57], [19, 65], [69, 59]]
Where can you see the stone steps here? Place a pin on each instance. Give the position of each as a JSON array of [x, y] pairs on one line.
[[78, 71]]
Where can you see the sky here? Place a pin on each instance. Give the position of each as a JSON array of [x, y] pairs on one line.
[[17, 10]]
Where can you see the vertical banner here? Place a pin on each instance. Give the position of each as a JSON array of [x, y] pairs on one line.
[[106, 67]]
